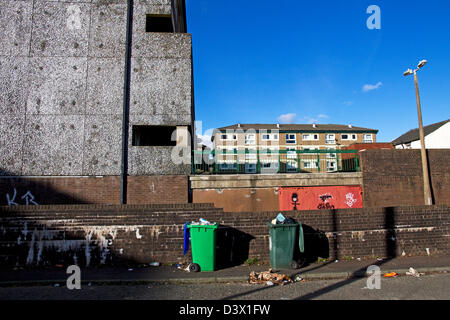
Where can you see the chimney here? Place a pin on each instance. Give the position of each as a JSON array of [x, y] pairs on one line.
[[278, 125], [314, 125], [239, 125], [349, 125]]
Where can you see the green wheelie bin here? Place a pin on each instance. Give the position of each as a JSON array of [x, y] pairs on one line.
[[203, 247], [282, 243]]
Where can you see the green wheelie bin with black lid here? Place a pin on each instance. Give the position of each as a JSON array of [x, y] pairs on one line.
[[282, 244]]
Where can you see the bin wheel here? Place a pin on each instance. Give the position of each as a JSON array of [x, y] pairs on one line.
[[294, 264], [194, 267]]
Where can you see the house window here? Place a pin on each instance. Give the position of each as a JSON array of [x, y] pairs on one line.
[[227, 166], [265, 137], [158, 23], [291, 166], [228, 137], [143, 135], [291, 152], [310, 137], [348, 136], [250, 168], [310, 164], [290, 138], [367, 138], [331, 165], [250, 139], [330, 139]]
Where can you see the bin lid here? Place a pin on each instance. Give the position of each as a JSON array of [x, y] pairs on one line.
[[207, 226], [280, 225]]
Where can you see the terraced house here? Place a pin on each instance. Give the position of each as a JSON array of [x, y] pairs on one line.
[[271, 148]]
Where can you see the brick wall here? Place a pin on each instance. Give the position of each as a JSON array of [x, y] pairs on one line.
[[92, 190], [96, 234], [394, 177]]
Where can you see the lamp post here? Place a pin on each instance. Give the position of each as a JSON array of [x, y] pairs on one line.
[[426, 179]]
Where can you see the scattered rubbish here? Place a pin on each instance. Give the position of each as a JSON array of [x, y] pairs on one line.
[[403, 253], [56, 285], [413, 272], [428, 251], [269, 283], [178, 265], [187, 269], [390, 275], [280, 218], [121, 251], [130, 269], [155, 264], [359, 259], [89, 284], [298, 278], [335, 261], [379, 259], [269, 276]]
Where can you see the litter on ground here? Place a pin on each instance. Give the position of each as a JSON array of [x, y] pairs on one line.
[[413, 272], [390, 275], [269, 277]]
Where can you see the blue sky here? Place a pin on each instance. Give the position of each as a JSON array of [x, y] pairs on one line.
[[316, 61]]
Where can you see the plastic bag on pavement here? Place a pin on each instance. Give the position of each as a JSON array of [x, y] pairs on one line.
[[413, 272]]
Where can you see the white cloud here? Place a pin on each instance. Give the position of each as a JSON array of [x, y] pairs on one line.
[[205, 139], [316, 119], [370, 87], [287, 118], [347, 103]]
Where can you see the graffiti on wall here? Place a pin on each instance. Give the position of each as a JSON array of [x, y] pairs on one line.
[[26, 199], [314, 198]]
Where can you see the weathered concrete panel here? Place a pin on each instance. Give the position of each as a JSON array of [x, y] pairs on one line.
[[60, 29], [160, 86], [154, 161], [161, 45], [15, 23], [102, 146], [105, 86], [108, 30], [275, 180], [13, 85], [52, 145], [57, 86], [11, 136]]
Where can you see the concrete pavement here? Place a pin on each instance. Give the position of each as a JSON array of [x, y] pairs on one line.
[[169, 274]]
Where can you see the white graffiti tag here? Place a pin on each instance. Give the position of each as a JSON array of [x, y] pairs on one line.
[[350, 199], [28, 197]]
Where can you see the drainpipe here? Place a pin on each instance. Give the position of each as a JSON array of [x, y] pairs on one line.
[[126, 105]]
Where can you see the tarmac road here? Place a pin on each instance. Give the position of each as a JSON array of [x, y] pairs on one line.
[[427, 287]]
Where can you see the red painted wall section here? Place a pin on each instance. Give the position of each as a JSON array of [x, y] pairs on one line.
[[313, 198]]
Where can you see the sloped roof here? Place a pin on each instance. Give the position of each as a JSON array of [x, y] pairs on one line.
[[413, 134], [298, 127]]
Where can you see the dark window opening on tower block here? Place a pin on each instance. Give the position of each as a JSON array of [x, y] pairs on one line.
[[153, 136], [158, 23]]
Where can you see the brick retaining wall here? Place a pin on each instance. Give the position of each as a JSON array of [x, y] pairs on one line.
[[96, 234]]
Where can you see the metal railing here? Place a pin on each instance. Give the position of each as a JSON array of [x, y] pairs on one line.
[[275, 161]]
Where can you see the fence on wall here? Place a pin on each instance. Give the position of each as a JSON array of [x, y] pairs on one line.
[[274, 161]]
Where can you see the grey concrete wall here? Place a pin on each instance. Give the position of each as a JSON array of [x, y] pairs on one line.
[[61, 78]]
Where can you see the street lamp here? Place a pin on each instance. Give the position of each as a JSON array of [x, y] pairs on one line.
[[426, 180]]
